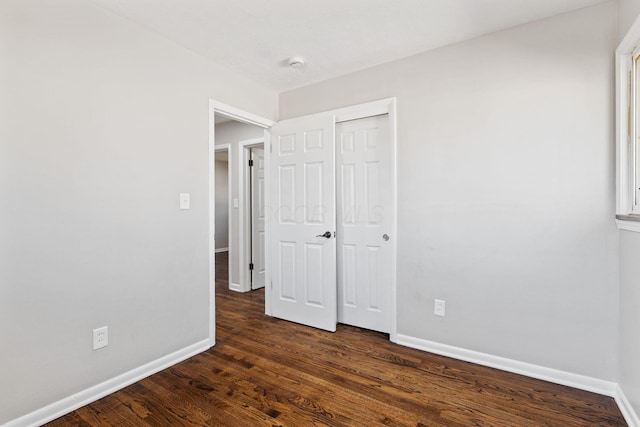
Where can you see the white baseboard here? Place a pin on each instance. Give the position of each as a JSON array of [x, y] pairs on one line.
[[91, 394], [236, 287], [221, 250], [582, 382], [73, 402], [630, 415]]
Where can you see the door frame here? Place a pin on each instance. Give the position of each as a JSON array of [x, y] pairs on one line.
[[360, 111], [240, 115], [383, 106], [244, 215]]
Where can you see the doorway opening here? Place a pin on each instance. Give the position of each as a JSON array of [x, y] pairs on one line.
[[236, 143], [222, 209], [226, 126]]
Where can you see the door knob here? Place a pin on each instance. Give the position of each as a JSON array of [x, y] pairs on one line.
[[327, 234], [385, 237]]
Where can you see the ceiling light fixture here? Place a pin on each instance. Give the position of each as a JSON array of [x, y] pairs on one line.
[[296, 62]]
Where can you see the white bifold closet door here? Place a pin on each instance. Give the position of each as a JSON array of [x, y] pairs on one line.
[[364, 222], [303, 247]]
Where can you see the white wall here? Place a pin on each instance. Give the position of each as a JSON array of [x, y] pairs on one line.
[[630, 317], [505, 198], [628, 11], [102, 125], [232, 133], [629, 368], [222, 204]]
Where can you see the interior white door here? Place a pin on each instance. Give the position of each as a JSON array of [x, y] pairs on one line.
[[364, 222], [303, 247], [257, 218]]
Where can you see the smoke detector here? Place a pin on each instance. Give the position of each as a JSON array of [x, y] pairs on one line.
[[296, 62]]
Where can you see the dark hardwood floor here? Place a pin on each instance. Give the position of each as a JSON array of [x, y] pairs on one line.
[[268, 372]]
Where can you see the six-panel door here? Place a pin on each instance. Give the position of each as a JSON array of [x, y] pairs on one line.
[[302, 217], [364, 222]]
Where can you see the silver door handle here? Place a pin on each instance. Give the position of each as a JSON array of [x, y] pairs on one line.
[[326, 234]]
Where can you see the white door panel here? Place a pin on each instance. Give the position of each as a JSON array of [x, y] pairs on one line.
[[363, 219], [302, 164], [257, 218]]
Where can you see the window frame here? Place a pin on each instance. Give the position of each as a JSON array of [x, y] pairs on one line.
[[628, 130]]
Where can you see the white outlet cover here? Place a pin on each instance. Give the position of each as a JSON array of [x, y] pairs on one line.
[[100, 337]]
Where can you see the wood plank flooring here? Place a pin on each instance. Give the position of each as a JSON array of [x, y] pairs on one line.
[[268, 372]]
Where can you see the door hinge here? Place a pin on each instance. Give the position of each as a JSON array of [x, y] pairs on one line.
[[251, 266], [250, 163]]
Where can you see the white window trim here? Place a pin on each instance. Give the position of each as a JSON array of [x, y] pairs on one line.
[[626, 218]]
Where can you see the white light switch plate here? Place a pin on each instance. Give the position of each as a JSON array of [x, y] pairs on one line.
[[185, 201], [236, 203], [439, 307]]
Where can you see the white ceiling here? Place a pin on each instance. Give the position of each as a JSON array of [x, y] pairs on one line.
[[336, 37]]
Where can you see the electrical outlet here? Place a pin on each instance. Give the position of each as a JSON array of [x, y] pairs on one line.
[[100, 337], [439, 307]]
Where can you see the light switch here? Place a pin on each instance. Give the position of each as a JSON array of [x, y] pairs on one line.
[[439, 307], [235, 203], [185, 201]]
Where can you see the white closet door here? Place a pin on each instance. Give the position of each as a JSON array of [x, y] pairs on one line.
[[257, 218], [364, 222], [303, 247]]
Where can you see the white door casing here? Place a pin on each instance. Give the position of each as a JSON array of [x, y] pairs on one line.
[[257, 218], [302, 173], [216, 107], [364, 220]]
